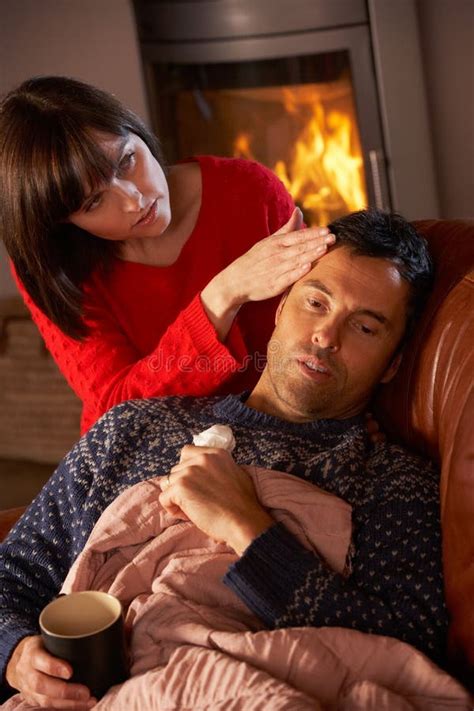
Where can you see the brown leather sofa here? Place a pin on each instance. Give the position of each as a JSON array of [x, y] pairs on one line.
[[429, 407]]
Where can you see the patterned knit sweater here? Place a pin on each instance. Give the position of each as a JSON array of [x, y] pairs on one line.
[[395, 586]]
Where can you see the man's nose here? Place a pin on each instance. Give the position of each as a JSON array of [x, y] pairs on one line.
[[327, 335], [130, 196]]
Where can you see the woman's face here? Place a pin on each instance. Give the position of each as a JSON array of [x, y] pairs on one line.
[[135, 203]]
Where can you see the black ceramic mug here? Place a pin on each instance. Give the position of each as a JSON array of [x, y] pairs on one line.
[[86, 629]]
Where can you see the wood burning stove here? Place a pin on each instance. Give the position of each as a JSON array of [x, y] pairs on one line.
[[294, 84]]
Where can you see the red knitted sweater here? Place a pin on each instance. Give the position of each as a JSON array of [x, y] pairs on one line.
[[150, 335]]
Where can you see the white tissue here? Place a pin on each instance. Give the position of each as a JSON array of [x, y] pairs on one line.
[[220, 436]]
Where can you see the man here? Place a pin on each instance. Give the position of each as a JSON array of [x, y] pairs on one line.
[[339, 333]]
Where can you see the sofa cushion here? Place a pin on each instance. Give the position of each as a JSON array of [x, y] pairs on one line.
[[429, 406]]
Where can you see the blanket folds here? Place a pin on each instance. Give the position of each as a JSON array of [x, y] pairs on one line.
[[195, 645]]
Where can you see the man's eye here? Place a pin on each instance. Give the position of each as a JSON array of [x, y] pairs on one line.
[[366, 330], [127, 162], [315, 304]]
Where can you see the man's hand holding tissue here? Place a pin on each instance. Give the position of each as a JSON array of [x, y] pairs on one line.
[[211, 490]]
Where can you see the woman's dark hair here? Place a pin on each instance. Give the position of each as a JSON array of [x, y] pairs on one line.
[[47, 155], [374, 233]]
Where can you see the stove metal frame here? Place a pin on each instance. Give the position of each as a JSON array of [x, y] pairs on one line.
[[381, 38]]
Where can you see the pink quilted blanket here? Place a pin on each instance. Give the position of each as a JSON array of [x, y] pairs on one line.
[[195, 645]]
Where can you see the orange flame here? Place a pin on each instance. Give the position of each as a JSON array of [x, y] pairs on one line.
[[325, 172]]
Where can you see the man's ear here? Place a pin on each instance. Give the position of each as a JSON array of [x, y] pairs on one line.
[[392, 369], [280, 305]]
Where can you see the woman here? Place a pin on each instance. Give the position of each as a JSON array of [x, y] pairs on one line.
[[140, 276]]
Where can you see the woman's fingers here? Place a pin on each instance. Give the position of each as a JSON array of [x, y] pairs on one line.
[[294, 223], [303, 236], [310, 249], [267, 275], [292, 265], [287, 269], [265, 271]]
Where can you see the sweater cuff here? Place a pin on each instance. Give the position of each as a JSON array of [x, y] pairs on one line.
[[226, 357], [273, 566]]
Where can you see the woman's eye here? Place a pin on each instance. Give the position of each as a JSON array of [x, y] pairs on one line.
[[95, 202], [128, 160]]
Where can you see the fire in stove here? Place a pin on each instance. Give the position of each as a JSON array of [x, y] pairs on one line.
[[307, 134], [310, 89]]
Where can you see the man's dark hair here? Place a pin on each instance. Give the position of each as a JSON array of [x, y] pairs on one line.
[[374, 233]]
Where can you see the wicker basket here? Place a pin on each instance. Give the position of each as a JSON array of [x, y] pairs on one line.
[[39, 413]]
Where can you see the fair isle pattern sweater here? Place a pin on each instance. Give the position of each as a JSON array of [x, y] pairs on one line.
[[395, 584]]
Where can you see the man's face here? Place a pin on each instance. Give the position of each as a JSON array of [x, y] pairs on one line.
[[335, 337]]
